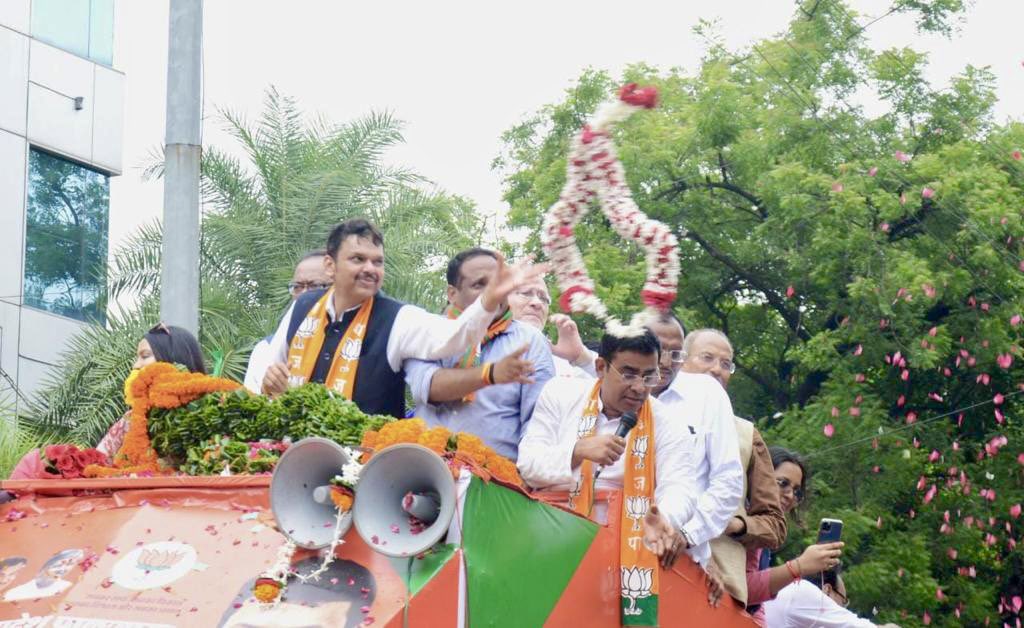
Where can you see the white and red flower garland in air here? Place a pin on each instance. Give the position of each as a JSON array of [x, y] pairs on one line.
[[594, 171]]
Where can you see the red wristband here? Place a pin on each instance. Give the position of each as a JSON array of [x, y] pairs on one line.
[[792, 572]]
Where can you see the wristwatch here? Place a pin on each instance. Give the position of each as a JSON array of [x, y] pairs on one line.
[[686, 538]]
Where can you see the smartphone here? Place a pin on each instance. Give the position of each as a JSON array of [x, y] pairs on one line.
[[830, 531]]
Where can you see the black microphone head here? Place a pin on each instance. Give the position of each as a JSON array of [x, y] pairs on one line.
[[626, 422]]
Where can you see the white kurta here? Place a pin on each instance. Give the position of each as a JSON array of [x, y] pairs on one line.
[[803, 605], [701, 403], [259, 361], [415, 333], [545, 452]]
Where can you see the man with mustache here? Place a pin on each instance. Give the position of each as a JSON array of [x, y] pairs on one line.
[[354, 339], [490, 390]]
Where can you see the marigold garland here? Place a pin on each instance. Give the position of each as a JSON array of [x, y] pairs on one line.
[[159, 385], [461, 449]]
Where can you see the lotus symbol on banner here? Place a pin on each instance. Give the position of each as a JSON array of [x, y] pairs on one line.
[[636, 585], [640, 451], [586, 424], [636, 508]]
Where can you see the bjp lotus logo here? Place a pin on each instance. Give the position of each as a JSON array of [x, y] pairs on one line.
[[636, 585], [307, 328], [640, 451], [586, 424], [636, 508], [351, 349], [156, 560]]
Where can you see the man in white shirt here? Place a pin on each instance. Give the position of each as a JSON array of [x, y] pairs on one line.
[[719, 478], [817, 602], [553, 449], [310, 274], [314, 342], [530, 304]]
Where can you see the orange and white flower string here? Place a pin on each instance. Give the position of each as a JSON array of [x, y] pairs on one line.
[[595, 173]]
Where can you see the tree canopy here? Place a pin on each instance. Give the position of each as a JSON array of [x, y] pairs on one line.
[[867, 269]]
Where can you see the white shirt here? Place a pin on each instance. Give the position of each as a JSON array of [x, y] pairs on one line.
[[700, 401], [416, 333], [259, 361], [803, 605], [545, 452]]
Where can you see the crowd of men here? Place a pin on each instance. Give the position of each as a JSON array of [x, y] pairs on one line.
[[486, 367]]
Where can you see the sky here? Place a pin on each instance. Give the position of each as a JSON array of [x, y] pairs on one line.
[[460, 73]]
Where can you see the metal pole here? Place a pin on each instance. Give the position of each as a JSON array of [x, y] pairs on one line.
[[179, 277]]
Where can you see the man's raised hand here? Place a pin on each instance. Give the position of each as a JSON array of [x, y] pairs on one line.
[[569, 346], [513, 369], [508, 278]]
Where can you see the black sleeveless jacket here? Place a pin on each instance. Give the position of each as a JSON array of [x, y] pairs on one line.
[[378, 389]]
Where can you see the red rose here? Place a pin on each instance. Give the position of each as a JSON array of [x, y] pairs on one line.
[[95, 456], [56, 451], [646, 97], [68, 466]]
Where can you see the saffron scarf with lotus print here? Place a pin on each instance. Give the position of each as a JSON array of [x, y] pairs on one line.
[[638, 566], [309, 341]]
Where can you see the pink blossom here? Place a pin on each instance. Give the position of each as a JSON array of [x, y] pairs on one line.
[[1016, 155], [905, 375], [1017, 603], [932, 457], [859, 350], [835, 412], [927, 192], [998, 399], [920, 483], [952, 553], [926, 619], [790, 291], [930, 495], [872, 171], [901, 400], [934, 330], [1015, 510], [1004, 360], [837, 187], [829, 430], [939, 594], [859, 378], [911, 417], [901, 156], [884, 227], [854, 411]]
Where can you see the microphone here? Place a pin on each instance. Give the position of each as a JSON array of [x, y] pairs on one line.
[[626, 422]]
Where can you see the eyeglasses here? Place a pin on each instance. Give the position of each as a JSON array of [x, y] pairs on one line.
[[298, 287], [676, 356], [785, 486], [708, 360], [540, 295], [650, 381], [161, 326]]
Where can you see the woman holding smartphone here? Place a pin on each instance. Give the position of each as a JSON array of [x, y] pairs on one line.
[[790, 600], [764, 582]]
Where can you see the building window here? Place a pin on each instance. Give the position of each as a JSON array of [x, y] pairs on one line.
[[84, 27], [66, 238]]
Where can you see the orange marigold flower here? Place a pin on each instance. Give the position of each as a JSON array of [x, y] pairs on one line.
[[404, 431], [504, 469], [342, 498], [436, 439], [472, 446], [266, 590]]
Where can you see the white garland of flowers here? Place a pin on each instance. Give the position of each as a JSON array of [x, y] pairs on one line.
[[282, 569], [594, 171]]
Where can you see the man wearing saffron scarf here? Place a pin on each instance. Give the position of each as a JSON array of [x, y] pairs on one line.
[[490, 389], [354, 339], [571, 445]]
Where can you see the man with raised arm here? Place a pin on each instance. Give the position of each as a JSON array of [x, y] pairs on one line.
[[490, 390], [354, 339], [530, 304]]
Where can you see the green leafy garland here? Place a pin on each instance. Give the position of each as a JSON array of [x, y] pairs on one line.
[[241, 417]]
